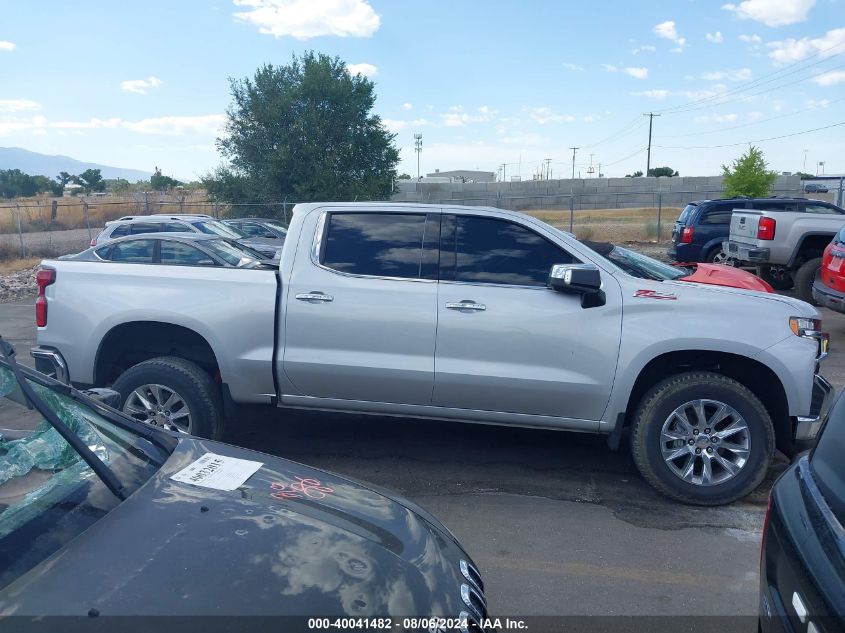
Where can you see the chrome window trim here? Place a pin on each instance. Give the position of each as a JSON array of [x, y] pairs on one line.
[[317, 245], [836, 528]]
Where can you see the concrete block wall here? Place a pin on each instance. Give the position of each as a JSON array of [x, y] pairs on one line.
[[594, 193]]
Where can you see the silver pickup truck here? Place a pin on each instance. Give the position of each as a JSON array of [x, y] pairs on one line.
[[457, 313], [785, 242]]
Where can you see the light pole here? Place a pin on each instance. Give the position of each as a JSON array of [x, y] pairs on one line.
[[418, 150], [805, 161]]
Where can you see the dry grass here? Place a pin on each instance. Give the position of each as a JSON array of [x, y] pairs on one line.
[[613, 225], [12, 265]]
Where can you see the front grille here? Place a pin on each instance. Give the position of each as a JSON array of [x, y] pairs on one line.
[[472, 595], [469, 572]]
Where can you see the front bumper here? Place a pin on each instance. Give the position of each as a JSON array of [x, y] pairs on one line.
[[746, 252], [828, 297], [808, 427], [50, 362]]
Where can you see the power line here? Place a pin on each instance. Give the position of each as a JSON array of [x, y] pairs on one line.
[[759, 140], [760, 80], [750, 123]]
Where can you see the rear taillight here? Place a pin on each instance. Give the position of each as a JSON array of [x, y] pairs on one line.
[[686, 235], [43, 277], [766, 229]]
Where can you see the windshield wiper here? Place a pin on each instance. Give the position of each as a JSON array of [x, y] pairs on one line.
[[95, 463]]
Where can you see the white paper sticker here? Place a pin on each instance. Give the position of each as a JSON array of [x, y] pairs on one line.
[[218, 472]]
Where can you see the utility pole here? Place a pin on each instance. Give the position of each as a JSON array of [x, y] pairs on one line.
[[504, 172], [650, 116], [548, 168], [418, 150], [805, 161], [574, 149]]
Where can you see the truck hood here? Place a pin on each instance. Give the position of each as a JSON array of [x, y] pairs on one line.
[[330, 546], [798, 307]]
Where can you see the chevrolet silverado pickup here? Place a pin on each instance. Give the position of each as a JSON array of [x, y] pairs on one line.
[[453, 313]]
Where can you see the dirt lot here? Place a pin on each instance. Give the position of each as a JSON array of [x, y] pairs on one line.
[[613, 225]]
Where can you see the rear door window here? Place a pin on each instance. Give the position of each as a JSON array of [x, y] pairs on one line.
[[775, 206], [134, 252], [717, 214], [175, 227], [253, 230], [822, 209], [375, 244], [120, 231], [137, 229], [181, 254]]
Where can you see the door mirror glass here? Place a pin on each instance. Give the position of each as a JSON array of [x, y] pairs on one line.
[[575, 278]]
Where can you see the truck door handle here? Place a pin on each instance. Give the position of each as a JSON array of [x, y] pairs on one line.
[[314, 297], [466, 304]]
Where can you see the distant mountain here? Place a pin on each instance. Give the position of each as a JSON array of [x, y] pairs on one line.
[[36, 164]]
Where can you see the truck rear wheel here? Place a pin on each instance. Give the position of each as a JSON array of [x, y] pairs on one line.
[[702, 438], [804, 278], [174, 394], [778, 277]]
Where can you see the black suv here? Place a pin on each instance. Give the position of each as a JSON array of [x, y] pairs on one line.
[[703, 225]]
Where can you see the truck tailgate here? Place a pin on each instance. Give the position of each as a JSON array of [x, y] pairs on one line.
[[744, 226]]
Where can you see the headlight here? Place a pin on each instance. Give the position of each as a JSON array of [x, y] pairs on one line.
[[803, 326]]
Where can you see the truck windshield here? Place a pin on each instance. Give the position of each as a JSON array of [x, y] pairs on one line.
[[48, 493], [212, 227]]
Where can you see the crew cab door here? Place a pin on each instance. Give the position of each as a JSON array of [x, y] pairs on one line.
[[508, 343], [361, 306]]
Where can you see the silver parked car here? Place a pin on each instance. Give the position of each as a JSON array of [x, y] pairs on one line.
[[167, 223]]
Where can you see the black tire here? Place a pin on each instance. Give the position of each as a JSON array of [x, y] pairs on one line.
[[777, 276], [804, 278], [664, 398], [194, 385], [714, 254]]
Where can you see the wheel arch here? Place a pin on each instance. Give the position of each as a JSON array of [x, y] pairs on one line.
[[133, 342], [812, 245], [753, 374]]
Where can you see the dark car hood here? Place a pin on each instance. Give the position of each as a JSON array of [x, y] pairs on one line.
[[174, 549]]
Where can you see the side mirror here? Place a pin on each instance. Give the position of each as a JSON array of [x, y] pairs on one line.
[[582, 279]]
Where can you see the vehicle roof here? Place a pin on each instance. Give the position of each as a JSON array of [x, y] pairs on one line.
[[766, 199], [129, 219], [274, 220], [175, 235]]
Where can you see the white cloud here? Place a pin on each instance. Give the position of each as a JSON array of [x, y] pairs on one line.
[[610, 68], [543, 115], [750, 39], [791, 50], [741, 74], [458, 117], [304, 19], [407, 106], [772, 12], [175, 125], [652, 94], [717, 118], [368, 70], [9, 125], [6, 45], [571, 66], [715, 38], [831, 78], [646, 48], [140, 86], [18, 105], [637, 72], [396, 125], [667, 30]]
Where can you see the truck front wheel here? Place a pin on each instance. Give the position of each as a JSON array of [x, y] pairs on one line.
[[172, 393], [702, 438]]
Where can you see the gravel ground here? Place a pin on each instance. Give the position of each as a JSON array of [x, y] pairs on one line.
[[18, 285]]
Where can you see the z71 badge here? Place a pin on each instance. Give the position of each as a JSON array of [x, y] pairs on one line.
[[654, 294]]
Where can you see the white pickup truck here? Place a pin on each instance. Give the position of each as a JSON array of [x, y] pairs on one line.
[[461, 313]]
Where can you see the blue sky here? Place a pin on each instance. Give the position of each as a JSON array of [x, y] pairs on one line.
[[135, 84]]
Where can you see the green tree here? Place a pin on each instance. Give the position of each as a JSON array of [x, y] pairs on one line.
[[92, 180], [661, 171], [162, 183], [748, 176], [636, 174], [304, 131], [65, 178], [48, 185], [803, 175]]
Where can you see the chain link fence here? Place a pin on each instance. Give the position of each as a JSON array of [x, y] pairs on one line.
[[47, 227]]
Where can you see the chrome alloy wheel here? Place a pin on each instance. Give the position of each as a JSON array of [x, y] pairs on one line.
[[705, 442], [160, 406]]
